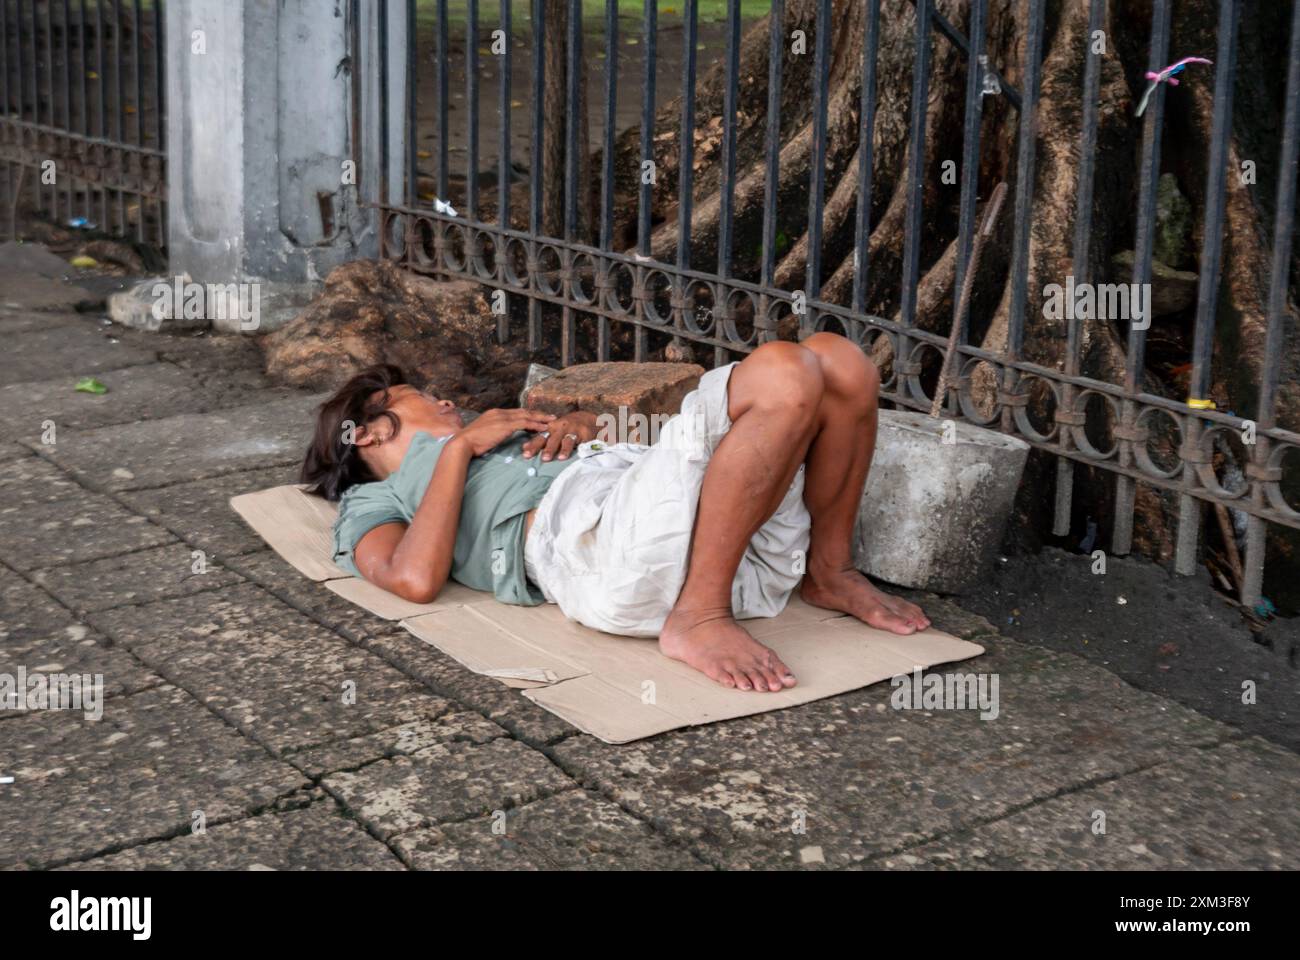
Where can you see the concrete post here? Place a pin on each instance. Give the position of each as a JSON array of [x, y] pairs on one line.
[[266, 170]]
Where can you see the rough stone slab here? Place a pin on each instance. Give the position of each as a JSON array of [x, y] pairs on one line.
[[265, 669], [1232, 807], [607, 388], [189, 446], [317, 837], [30, 480], [39, 634], [34, 278], [68, 352], [449, 781], [142, 577], [199, 511], [142, 392], [83, 526], [81, 787], [20, 319], [864, 779], [403, 740], [267, 569], [506, 706], [569, 831]]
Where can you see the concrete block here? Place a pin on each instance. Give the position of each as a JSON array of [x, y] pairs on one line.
[[937, 501]]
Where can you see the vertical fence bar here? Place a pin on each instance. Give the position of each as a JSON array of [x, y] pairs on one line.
[[1149, 172], [444, 106], [471, 98], [772, 157], [686, 167], [866, 146], [11, 185], [573, 147], [505, 170], [817, 176], [68, 143], [645, 199], [686, 171], [381, 54], [1066, 415], [1026, 149], [970, 148], [1283, 237], [101, 96], [137, 23], [37, 189], [535, 159], [731, 81], [160, 99], [1207, 294], [51, 118], [904, 365], [83, 127], [646, 193], [607, 169], [412, 164], [119, 117]]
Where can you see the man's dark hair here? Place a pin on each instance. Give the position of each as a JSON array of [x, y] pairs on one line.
[[333, 463]]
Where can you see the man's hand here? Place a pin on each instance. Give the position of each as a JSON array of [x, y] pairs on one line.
[[495, 426], [563, 436]]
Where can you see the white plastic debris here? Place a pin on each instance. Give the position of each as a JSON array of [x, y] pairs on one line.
[[442, 206], [6, 779]]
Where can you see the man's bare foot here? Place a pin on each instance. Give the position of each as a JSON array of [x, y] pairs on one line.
[[716, 645], [848, 591]]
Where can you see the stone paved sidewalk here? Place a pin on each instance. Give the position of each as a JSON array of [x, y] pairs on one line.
[[223, 690]]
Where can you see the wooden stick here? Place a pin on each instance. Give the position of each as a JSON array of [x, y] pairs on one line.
[[963, 301]]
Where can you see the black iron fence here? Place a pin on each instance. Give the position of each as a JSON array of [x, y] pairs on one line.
[[678, 301], [83, 114]]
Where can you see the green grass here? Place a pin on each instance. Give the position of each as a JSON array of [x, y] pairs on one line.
[[670, 11]]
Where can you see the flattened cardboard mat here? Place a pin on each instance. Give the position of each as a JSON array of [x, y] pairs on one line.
[[618, 689]]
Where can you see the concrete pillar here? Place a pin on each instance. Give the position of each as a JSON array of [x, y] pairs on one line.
[[260, 139]]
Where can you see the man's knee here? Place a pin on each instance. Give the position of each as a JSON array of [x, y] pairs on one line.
[[846, 370], [789, 378]]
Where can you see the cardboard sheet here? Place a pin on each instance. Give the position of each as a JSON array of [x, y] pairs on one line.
[[618, 689]]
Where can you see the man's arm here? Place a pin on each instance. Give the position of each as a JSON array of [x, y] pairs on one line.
[[414, 560]]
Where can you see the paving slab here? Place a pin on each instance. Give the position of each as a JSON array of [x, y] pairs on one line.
[[145, 392], [30, 479], [34, 278], [267, 569], [573, 830], [79, 527], [157, 453], [66, 352], [839, 780], [448, 781], [1232, 807], [142, 577], [403, 740], [38, 634], [317, 837], [82, 788], [199, 511], [504, 705], [289, 683], [22, 320]]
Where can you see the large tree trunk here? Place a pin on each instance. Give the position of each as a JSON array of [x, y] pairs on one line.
[[1241, 316]]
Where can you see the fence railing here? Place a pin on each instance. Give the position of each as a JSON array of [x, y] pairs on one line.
[[677, 301], [83, 114]]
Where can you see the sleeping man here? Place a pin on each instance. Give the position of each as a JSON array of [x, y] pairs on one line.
[[751, 491]]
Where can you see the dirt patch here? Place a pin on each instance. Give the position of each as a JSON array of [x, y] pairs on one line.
[[1171, 635]]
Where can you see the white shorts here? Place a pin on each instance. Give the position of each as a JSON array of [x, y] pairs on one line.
[[611, 538]]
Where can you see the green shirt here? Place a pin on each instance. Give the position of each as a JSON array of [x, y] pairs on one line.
[[500, 488]]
